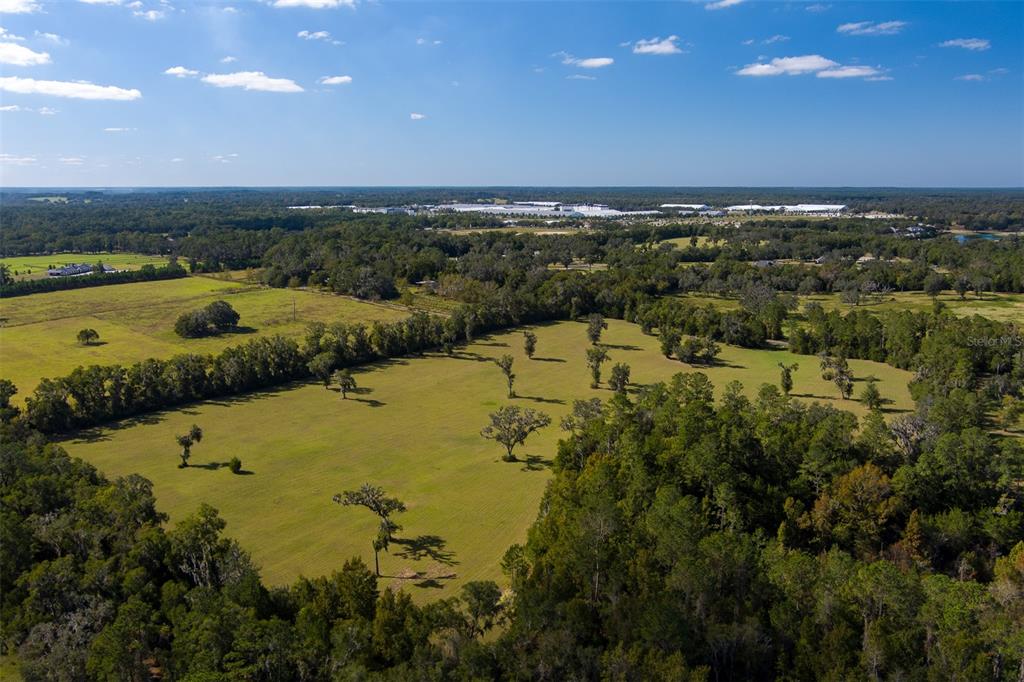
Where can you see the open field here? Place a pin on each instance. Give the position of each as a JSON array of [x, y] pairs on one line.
[[999, 306], [684, 242], [414, 429], [35, 267], [136, 321]]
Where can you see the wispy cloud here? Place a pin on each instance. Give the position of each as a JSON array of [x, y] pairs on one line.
[[424, 41], [817, 7], [970, 77], [807, 64], [777, 38], [585, 63], [870, 28], [228, 60], [180, 72], [71, 89], [788, 66], [42, 111], [7, 35], [72, 160], [976, 44], [657, 46], [150, 14], [580, 77], [119, 130], [849, 72], [19, 55], [252, 80], [417, 117], [18, 6], [13, 160], [335, 80], [722, 4], [51, 37], [224, 158], [324, 36], [315, 4]]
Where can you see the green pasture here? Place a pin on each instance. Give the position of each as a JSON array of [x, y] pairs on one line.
[[136, 321], [35, 267], [995, 306], [413, 429]]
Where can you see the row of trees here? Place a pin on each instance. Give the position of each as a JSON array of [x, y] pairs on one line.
[[147, 273]]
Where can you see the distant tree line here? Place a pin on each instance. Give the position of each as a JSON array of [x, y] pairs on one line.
[[147, 273]]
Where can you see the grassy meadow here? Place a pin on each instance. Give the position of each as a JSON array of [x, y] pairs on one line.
[[136, 321], [35, 267], [413, 429], [996, 306]]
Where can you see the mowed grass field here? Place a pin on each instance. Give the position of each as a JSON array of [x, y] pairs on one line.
[[414, 429], [136, 321], [35, 267]]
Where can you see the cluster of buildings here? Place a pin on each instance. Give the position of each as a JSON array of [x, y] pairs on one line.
[[76, 270], [557, 209]]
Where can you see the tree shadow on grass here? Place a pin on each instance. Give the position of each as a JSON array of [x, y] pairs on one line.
[[492, 344], [100, 434], [614, 346], [536, 463], [548, 359], [538, 399], [370, 402], [426, 547], [469, 355], [214, 466]]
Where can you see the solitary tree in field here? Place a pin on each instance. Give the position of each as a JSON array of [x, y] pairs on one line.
[[619, 379], [373, 498], [871, 396], [595, 358], [512, 425], [346, 382], [185, 442], [786, 376], [505, 363], [838, 372], [87, 337], [529, 344], [595, 325]]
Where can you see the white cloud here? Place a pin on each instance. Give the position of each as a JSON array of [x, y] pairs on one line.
[[18, 6], [580, 77], [19, 55], [42, 111], [314, 35], [100, 2], [12, 160], [224, 158], [73, 89], [722, 4], [177, 159], [180, 72], [817, 7], [878, 78], [657, 46], [970, 77], [870, 28], [849, 72], [72, 160], [976, 44], [119, 130], [252, 80], [587, 63], [335, 80], [228, 10], [151, 14], [777, 38], [228, 60], [11, 107], [1000, 71], [789, 66], [52, 37], [748, 42], [424, 41], [315, 4], [417, 117], [46, 111], [5, 35]]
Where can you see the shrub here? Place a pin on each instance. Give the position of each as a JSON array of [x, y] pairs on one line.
[[235, 465]]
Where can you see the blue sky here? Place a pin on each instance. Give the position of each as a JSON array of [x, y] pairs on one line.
[[327, 92]]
